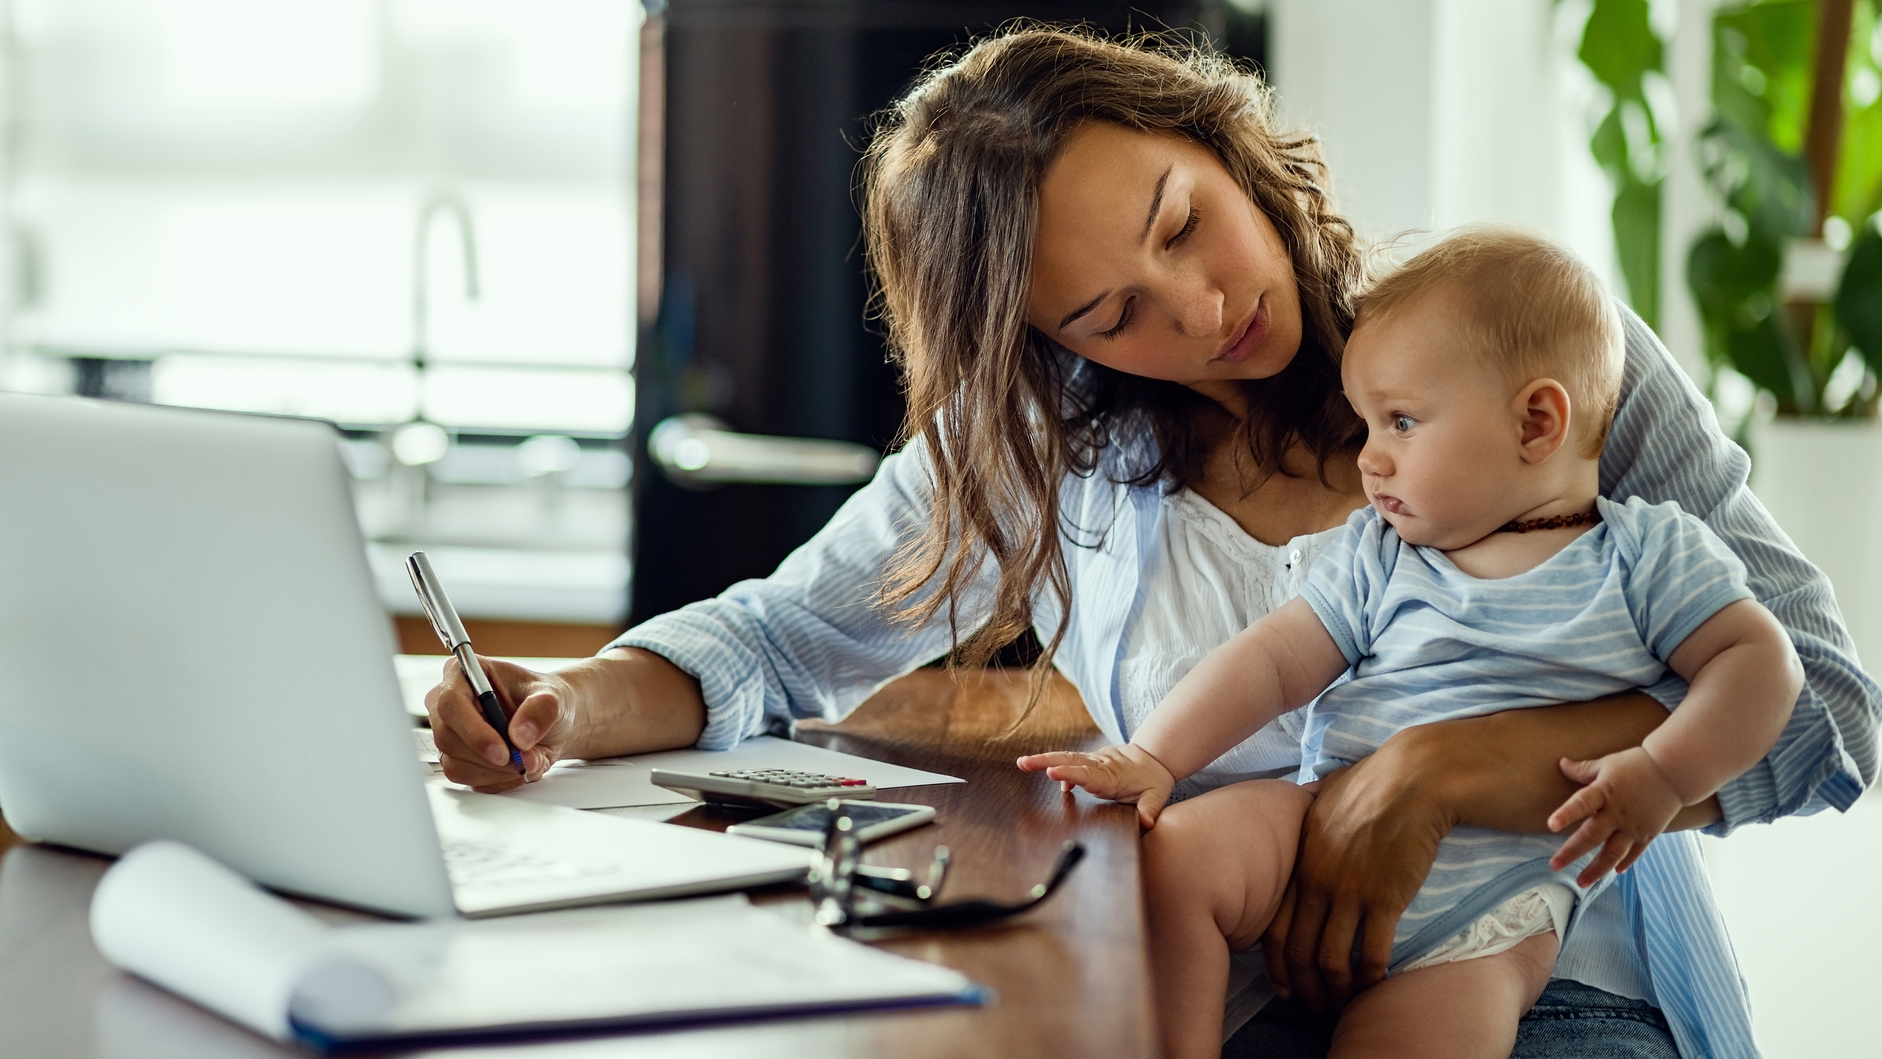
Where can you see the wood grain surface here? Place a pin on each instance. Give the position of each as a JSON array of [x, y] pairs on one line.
[[1070, 977], [520, 639]]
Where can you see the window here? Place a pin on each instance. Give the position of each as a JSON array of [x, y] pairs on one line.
[[232, 203]]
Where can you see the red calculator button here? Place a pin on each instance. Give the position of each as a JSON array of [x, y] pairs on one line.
[[852, 783]]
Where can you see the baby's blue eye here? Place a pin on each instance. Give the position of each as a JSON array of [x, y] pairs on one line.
[[1402, 423]]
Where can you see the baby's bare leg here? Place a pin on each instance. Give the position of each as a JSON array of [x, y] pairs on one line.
[[1465, 1009], [1214, 870]]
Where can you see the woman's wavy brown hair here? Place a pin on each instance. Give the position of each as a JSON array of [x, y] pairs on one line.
[[951, 193]]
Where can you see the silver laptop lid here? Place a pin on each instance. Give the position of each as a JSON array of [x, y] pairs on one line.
[[191, 648]]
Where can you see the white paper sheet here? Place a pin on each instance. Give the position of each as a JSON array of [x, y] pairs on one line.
[[700, 957], [623, 781]]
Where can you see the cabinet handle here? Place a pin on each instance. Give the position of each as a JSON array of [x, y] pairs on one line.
[[697, 450]]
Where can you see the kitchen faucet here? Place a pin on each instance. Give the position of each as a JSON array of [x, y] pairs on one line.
[[438, 202], [421, 441]]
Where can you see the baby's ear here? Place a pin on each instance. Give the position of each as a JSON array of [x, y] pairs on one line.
[[1543, 407]]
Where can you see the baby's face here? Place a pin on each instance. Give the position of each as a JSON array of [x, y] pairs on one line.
[[1443, 436]]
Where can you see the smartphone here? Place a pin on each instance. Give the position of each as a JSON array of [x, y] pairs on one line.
[[805, 825]]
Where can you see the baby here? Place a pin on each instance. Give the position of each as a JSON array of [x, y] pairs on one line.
[[1486, 574]]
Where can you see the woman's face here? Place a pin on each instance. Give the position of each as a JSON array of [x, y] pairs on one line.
[[1151, 260]]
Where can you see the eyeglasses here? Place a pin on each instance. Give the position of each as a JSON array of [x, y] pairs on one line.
[[851, 895]]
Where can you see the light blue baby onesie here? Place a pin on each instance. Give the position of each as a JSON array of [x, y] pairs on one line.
[[1428, 642]]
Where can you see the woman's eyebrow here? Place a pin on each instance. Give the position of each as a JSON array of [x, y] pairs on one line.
[[1156, 203], [1083, 309]]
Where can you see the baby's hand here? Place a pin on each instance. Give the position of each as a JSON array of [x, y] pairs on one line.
[[1124, 773], [1627, 802]]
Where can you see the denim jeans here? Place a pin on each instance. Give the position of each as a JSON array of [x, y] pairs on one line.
[[1570, 1021]]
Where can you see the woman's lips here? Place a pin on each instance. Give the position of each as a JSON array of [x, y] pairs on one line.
[[1248, 337]]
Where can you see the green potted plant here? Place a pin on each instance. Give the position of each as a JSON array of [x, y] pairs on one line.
[[1620, 49], [1789, 282]]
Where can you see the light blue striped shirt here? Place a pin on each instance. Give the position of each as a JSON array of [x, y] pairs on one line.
[[1428, 642], [809, 641]]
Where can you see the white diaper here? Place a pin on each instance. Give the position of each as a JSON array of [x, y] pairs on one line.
[[1539, 911]]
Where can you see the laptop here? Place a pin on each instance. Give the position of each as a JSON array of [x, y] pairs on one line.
[[193, 649]]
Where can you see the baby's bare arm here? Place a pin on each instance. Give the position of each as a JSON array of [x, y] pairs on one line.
[[1277, 664], [1745, 677], [1274, 665]]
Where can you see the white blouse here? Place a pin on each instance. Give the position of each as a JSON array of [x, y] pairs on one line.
[[1207, 580]]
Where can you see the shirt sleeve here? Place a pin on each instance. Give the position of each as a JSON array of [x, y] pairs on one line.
[[1666, 445], [1679, 572], [1344, 583], [811, 639]]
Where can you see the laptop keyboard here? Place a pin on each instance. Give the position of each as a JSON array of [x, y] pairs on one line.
[[471, 863]]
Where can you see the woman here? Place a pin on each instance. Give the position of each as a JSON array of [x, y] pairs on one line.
[[1119, 297]]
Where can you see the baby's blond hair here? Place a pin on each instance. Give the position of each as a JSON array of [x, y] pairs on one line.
[[1526, 307]]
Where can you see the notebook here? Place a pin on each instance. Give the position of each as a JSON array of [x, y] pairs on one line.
[[178, 919]]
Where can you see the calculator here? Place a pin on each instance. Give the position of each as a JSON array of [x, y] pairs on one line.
[[771, 788]]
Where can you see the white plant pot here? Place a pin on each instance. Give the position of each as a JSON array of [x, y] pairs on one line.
[[1823, 484]]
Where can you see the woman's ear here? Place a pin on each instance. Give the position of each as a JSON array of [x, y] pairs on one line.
[[1543, 408]]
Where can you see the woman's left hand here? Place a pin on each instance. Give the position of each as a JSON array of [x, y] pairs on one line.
[[1366, 846]]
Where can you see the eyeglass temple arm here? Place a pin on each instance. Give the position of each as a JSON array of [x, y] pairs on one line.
[[900, 882], [1073, 852], [975, 911]]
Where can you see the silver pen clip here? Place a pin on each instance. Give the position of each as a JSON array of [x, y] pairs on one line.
[[437, 605]]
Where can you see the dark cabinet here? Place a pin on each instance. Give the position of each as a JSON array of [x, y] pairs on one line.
[[761, 323]]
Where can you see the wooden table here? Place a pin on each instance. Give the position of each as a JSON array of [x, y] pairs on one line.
[[1070, 977]]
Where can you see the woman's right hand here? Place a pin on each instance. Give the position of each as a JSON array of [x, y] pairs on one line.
[[539, 706], [625, 701]]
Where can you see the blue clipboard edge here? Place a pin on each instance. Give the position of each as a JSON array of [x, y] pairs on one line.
[[317, 1042]]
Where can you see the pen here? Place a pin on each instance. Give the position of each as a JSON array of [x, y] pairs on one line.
[[445, 620]]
